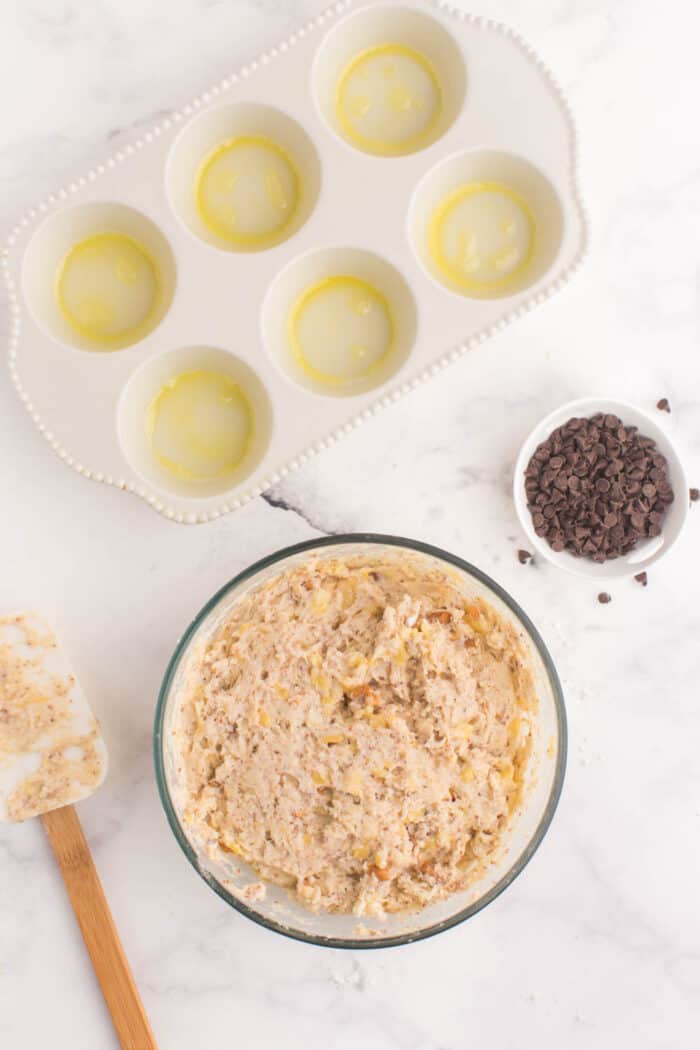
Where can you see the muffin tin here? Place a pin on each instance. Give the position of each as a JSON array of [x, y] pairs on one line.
[[501, 119]]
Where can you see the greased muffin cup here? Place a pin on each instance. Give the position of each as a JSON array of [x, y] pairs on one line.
[[278, 910], [342, 217]]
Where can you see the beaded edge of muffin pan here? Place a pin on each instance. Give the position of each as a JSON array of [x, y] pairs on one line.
[[204, 99]]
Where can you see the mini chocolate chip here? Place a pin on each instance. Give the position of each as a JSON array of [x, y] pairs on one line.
[[663, 405], [596, 487], [641, 577], [604, 598], [694, 495], [524, 557]]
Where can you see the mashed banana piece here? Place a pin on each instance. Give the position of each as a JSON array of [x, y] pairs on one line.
[[357, 730]]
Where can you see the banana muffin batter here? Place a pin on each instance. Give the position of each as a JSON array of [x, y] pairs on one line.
[[357, 730]]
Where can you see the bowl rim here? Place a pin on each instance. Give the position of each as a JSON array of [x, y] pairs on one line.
[[523, 858], [618, 568]]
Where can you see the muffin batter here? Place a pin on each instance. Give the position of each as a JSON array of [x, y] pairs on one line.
[[357, 730]]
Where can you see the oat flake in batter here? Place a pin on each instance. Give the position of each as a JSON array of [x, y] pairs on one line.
[[357, 731]]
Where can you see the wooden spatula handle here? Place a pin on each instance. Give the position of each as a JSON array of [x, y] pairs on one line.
[[98, 929]]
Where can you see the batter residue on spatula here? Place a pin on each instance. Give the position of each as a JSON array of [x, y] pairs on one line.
[[51, 750]]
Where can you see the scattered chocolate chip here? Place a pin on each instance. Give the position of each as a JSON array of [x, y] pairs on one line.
[[524, 557], [663, 405], [604, 598], [596, 487], [694, 495], [641, 577]]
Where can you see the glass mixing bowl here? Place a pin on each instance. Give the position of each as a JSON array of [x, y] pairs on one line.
[[545, 771]]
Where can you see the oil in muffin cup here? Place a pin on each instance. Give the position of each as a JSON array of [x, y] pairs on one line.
[[243, 177], [340, 321], [98, 276], [486, 224], [195, 422], [390, 82]]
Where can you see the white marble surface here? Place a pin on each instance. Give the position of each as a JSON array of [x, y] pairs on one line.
[[598, 943]]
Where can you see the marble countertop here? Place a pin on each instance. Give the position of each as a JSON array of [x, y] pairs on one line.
[[597, 944]]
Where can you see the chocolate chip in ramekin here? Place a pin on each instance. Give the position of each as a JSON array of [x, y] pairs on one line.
[[596, 487]]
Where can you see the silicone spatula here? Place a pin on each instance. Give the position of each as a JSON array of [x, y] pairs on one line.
[[52, 755]]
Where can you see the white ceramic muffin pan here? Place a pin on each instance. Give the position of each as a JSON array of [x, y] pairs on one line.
[[502, 119]]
